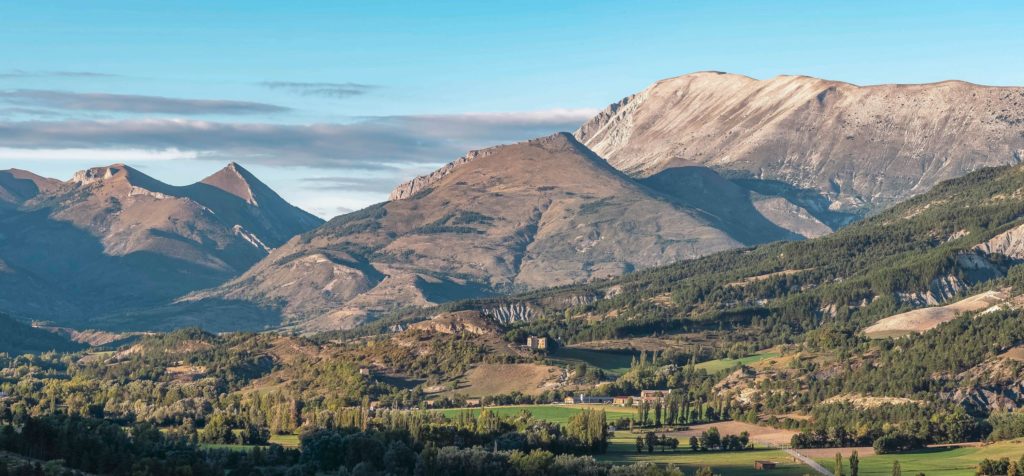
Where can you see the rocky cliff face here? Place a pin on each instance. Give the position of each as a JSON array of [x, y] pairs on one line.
[[1009, 243], [862, 148], [113, 239], [424, 182]]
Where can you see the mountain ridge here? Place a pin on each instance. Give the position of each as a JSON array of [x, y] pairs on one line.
[[542, 212], [112, 239], [810, 132]]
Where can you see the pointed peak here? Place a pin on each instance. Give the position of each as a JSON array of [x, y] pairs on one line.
[[237, 181], [237, 168]]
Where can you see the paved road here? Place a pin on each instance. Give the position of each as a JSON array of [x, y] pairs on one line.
[[809, 462]]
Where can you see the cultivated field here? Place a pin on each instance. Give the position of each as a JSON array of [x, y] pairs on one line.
[[718, 365], [945, 461], [287, 441], [760, 435], [616, 363], [496, 379], [622, 450]]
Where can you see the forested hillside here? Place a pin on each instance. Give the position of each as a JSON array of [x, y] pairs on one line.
[[21, 338], [811, 301], [918, 253]]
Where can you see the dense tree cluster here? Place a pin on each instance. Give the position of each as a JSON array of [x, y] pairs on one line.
[[713, 440]]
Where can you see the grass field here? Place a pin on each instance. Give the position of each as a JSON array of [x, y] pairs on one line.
[[551, 413], [287, 441], [616, 363], [937, 461], [496, 379], [622, 450], [718, 365], [214, 446]]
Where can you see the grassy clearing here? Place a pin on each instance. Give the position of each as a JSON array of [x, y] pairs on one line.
[[497, 379], [622, 450], [616, 363], [937, 461], [215, 446], [718, 365], [551, 413], [287, 441]]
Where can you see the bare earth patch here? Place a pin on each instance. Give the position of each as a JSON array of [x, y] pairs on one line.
[[763, 435], [861, 401], [921, 320], [1016, 353], [821, 453]]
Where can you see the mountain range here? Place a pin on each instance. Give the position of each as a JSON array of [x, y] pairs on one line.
[[689, 167], [113, 240], [545, 212]]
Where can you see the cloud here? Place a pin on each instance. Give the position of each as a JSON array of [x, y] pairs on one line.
[[352, 183], [96, 155], [132, 103], [331, 90], [377, 143], [19, 73], [30, 111]]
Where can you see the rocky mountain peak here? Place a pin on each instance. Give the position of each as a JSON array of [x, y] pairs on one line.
[[236, 180], [97, 174], [861, 148]]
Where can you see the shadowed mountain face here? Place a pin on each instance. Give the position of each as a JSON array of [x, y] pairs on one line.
[[861, 148], [17, 186], [21, 338], [540, 213], [113, 240]]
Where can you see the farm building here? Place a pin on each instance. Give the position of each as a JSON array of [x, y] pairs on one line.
[[581, 398], [537, 343], [653, 396]]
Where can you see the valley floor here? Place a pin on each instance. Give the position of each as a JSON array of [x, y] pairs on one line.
[[622, 450], [947, 460], [935, 461]]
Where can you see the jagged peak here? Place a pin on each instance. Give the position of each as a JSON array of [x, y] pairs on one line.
[[121, 175], [106, 173]]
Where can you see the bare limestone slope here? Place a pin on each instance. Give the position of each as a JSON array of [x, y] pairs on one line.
[[861, 147]]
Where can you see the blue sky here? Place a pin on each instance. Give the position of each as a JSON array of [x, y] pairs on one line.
[[333, 103]]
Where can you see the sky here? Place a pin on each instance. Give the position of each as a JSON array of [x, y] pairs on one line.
[[333, 103]]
